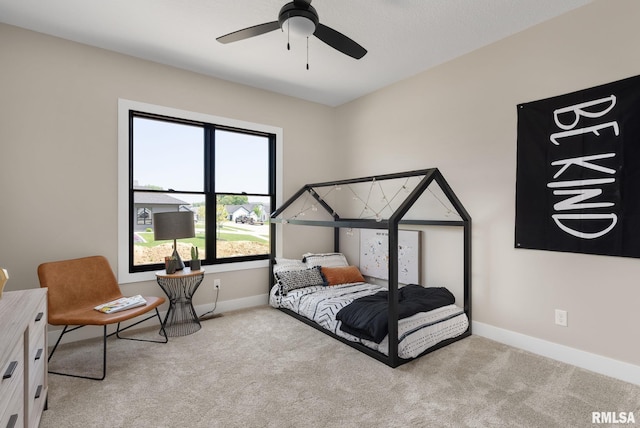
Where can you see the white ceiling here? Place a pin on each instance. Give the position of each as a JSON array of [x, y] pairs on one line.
[[403, 37]]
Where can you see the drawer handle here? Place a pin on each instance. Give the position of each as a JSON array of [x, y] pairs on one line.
[[39, 316], [38, 391], [12, 421], [12, 367], [38, 354]]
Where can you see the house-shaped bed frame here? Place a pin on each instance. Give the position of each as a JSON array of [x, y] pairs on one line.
[[392, 224]]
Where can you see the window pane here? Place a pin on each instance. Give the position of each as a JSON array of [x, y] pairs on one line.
[[167, 155], [242, 163], [242, 226], [149, 251]]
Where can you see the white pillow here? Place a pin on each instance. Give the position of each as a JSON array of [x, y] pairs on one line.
[[325, 259], [283, 264]]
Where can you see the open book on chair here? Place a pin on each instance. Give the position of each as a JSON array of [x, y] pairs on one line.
[[121, 304]]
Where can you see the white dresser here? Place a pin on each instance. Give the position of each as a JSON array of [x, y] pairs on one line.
[[23, 357]]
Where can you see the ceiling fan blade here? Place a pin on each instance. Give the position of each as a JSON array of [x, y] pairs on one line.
[[339, 41], [246, 33]]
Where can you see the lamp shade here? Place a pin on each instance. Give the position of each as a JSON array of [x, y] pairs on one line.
[[173, 225]]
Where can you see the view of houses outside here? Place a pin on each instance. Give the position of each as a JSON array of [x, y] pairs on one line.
[[241, 229]]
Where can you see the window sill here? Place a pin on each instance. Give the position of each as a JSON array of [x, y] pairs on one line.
[[127, 277]]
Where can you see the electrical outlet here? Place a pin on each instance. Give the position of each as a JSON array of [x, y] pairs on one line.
[[216, 284], [561, 317]]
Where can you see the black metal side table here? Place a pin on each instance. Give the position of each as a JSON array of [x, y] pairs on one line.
[[181, 318]]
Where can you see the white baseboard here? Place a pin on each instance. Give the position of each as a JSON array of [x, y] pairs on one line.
[[234, 305], [91, 332], [586, 360]]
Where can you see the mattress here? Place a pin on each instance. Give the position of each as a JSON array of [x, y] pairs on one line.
[[415, 334]]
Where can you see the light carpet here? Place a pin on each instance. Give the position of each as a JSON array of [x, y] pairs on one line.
[[263, 368]]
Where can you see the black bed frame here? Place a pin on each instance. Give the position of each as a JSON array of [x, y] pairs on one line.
[[392, 226]]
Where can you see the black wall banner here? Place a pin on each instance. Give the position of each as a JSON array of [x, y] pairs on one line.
[[578, 171]]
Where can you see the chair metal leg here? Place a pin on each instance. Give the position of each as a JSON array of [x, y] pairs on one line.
[[104, 354], [104, 344], [64, 330], [164, 333]]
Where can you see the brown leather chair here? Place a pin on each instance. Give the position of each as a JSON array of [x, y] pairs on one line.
[[76, 287]]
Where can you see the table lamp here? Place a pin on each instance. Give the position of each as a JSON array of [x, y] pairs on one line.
[[174, 225]]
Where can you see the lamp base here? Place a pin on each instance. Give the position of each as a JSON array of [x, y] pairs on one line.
[[174, 263], [178, 263]]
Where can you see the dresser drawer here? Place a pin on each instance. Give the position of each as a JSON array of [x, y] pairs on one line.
[[37, 356], [36, 400], [12, 372], [38, 322], [37, 381], [13, 416]]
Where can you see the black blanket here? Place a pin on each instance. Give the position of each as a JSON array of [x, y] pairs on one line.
[[366, 317]]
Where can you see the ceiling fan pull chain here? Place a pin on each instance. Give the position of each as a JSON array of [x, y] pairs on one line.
[[288, 33], [307, 53]]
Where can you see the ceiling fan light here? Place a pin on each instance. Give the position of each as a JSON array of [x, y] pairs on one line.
[[301, 25]]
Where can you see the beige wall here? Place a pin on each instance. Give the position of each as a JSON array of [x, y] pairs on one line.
[[461, 118], [58, 157], [58, 165]]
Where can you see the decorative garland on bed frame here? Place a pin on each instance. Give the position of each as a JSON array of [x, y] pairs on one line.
[[372, 217]]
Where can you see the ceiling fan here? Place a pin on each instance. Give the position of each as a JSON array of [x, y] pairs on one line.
[[300, 17]]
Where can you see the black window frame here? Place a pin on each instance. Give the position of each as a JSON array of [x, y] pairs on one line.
[[210, 195]]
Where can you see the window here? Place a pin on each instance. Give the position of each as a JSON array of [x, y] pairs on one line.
[[144, 216], [224, 174]]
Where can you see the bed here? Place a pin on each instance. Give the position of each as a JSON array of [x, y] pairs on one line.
[[391, 320], [323, 305]]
